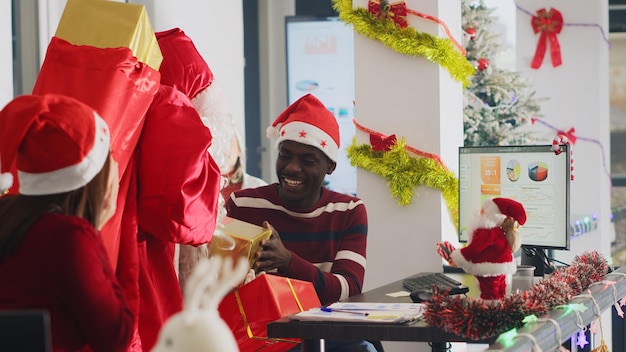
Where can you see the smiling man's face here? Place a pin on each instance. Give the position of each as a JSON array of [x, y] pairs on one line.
[[301, 169]]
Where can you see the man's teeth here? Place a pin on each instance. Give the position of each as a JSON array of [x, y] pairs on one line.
[[291, 182]]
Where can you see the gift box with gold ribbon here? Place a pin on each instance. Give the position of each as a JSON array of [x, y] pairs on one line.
[[105, 54], [110, 24], [248, 309], [239, 239]]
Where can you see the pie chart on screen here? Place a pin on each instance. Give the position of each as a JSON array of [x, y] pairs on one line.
[[538, 171], [513, 170]]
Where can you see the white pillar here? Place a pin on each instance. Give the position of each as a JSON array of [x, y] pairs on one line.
[[415, 99]]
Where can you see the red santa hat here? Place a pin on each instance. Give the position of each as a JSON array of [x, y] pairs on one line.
[[307, 121], [507, 207], [57, 144], [182, 67], [186, 70]]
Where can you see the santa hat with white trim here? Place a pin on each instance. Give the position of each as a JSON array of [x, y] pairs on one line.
[[504, 207], [58, 144], [307, 121]]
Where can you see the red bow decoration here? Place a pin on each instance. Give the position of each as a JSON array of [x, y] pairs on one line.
[[382, 9], [570, 134], [549, 23], [381, 143]]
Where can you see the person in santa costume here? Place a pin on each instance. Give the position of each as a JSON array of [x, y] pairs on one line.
[[184, 69], [493, 238], [52, 254], [178, 188]]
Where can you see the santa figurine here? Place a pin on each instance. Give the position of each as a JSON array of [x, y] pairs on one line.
[[493, 238]]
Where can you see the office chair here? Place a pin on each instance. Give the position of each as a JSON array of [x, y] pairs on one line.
[[25, 330]]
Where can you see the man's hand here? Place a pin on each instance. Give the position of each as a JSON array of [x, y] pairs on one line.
[[274, 255]]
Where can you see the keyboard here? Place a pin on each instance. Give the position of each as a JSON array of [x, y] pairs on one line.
[[425, 281]]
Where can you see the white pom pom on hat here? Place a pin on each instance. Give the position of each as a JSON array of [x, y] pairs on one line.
[[56, 143], [307, 121]]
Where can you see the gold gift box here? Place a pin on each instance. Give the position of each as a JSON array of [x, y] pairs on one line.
[[242, 239], [110, 24]]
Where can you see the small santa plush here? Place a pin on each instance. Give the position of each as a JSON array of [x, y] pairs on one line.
[[493, 238]]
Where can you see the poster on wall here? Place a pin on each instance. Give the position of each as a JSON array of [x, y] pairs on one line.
[[320, 61]]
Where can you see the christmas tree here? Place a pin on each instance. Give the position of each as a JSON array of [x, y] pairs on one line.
[[498, 103]]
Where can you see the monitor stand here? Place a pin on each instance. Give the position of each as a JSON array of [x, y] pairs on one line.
[[538, 258]]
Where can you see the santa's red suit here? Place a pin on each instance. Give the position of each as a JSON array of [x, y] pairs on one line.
[[488, 255], [178, 188]]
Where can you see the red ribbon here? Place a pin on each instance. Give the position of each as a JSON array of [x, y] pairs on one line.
[[406, 147], [381, 143], [396, 11], [549, 23]]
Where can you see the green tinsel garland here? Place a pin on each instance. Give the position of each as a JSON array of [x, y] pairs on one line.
[[404, 172], [407, 41]]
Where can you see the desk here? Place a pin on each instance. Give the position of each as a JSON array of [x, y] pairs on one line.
[[312, 331]]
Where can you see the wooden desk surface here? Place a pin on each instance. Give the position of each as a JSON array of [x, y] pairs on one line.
[[412, 331]]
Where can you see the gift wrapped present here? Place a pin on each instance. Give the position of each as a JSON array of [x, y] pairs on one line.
[[248, 309], [105, 54], [239, 239], [110, 24]]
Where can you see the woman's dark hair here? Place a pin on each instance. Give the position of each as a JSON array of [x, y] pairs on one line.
[[19, 212]]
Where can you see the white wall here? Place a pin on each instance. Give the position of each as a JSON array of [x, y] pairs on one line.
[[6, 56], [578, 92], [216, 28], [578, 97]]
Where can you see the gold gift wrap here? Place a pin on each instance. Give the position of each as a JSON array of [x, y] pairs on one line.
[[242, 239], [110, 24]]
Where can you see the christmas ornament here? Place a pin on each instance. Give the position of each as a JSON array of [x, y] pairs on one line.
[[493, 238], [571, 132], [446, 52], [605, 38], [482, 64], [556, 143], [382, 9], [549, 23], [471, 32]]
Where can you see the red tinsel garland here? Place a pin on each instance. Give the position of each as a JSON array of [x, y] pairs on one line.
[[477, 319]]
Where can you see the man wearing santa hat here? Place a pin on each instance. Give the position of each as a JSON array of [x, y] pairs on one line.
[[318, 235], [493, 238]]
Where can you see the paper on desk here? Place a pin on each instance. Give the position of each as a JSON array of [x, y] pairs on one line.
[[377, 312]]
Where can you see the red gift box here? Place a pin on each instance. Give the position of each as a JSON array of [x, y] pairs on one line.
[[248, 309]]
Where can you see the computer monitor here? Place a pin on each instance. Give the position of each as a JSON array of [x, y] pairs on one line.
[[535, 176]]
